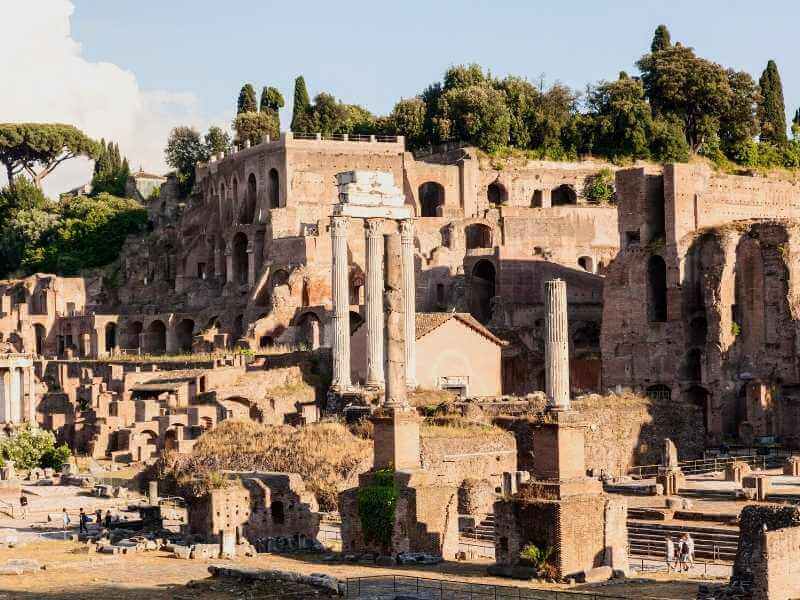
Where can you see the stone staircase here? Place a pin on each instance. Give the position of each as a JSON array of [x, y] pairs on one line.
[[483, 531], [648, 539]]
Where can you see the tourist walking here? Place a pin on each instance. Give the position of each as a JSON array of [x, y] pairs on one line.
[[98, 517], [65, 520], [23, 506], [82, 518], [689, 551], [108, 519]]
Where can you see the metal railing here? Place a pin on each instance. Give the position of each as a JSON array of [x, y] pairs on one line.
[[345, 137], [709, 465], [390, 586]]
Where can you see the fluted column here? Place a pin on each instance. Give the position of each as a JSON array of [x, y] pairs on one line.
[[341, 304], [409, 300], [374, 235], [556, 348], [394, 304], [15, 403]]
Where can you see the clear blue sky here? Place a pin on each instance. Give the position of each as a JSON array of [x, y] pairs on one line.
[[373, 53]]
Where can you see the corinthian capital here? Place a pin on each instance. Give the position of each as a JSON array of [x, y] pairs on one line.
[[339, 226], [374, 228], [407, 230]]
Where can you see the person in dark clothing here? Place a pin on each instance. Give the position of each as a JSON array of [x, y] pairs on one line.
[[98, 517], [108, 519], [82, 519]]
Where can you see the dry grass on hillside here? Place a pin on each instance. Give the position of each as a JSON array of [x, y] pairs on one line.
[[326, 455], [458, 428]]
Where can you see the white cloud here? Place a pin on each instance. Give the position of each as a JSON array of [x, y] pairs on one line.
[[45, 78]]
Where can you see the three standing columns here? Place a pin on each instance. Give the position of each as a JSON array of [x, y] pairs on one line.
[[556, 347], [376, 342], [341, 304]]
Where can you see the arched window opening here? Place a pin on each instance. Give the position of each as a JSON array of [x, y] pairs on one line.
[[536, 199], [586, 263], [277, 511], [563, 195], [240, 258], [431, 199], [699, 396], [496, 194], [482, 290], [478, 236], [657, 289], [235, 198], [133, 335], [41, 337], [274, 189], [156, 338], [111, 337], [248, 210], [184, 333], [266, 341]]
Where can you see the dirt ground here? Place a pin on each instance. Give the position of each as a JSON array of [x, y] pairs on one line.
[[71, 574]]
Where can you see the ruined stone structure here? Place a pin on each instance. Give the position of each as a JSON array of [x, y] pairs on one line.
[[699, 303], [258, 507], [560, 510]]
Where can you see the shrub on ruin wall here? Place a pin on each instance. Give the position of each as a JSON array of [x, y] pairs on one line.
[[376, 508], [326, 455]]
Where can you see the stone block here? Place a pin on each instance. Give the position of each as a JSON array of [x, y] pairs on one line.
[[596, 575]]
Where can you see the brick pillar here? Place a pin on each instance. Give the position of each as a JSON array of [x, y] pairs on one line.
[[374, 235], [228, 262], [556, 349], [341, 304], [409, 297]]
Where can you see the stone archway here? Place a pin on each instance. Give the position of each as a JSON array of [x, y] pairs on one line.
[[496, 193], [482, 290], [274, 189], [239, 251], [563, 195], [431, 199], [184, 332], [156, 337], [478, 235], [111, 337]]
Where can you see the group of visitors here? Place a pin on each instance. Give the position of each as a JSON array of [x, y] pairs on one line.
[[84, 519], [680, 552]]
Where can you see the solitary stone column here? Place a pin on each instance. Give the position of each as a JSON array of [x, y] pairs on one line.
[[15, 400], [556, 348], [395, 324], [228, 262], [409, 295], [374, 232], [217, 263], [251, 265], [341, 304], [5, 401]]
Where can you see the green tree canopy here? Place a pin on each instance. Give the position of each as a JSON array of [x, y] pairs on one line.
[[111, 171], [247, 99], [408, 119], [301, 107], [216, 141], [661, 39], [36, 149], [621, 120], [254, 126], [771, 108], [184, 150], [271, 100]]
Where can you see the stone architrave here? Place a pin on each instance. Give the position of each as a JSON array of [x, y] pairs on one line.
[[556, 350], [410, 304], [341, 304], [374, 309]]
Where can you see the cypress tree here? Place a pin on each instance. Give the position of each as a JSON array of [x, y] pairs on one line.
[[101, 159], [247, 100], [771, 109], [796, 124], [271, 100], [302, 105], [661, 39]]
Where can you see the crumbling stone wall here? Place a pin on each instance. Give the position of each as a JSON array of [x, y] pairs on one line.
[[454, 458]]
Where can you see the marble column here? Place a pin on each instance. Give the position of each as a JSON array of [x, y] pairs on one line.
[[15, 397], [394, 305], [30, 387], [5, 398], [409, 300], [556, 345], [341, 303], [228, 262], [374, 235]]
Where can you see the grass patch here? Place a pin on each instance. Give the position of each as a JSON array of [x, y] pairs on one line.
[[326, 455]]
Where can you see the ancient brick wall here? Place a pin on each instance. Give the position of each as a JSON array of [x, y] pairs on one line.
[[474, 455]]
